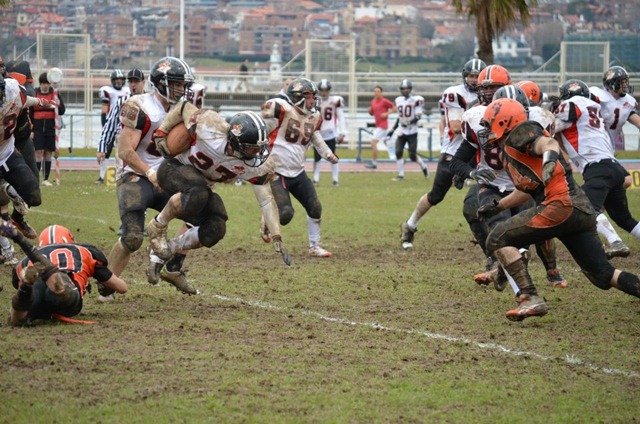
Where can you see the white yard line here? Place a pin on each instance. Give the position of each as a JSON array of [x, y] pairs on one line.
[[568, 359], [67, 216]]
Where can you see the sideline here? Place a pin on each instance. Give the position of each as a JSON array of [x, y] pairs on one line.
[[568, 359]]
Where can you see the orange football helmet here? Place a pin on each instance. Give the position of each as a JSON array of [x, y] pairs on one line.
[[532, 91], [55, 234], [490, 79], [500, 117]]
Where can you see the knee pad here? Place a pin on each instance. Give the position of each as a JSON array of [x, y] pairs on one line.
[[314, 209], [132, 242], [286, 214], [212, 232], [194, 199], [602, 278]]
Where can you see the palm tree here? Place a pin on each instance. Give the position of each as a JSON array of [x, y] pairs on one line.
[[493, 17], [5, 3]]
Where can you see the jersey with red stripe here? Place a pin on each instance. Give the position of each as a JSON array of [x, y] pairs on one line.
[[486, 158], [144, 113], [291, 133], [409, 112], [333, 122], [110, 95], [579, 122], [79, 261], [208, 154], [615, 112], [13, 105], [455, 100]]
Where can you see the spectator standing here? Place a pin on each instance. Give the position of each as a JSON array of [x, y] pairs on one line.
[[380, 109]]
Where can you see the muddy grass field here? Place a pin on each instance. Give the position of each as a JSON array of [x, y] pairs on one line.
[[374, 334]]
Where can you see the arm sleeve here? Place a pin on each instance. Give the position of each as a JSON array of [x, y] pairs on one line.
[[459, 164], [61, 107]]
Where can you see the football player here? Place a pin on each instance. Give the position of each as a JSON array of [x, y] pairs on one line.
[[617, 103], [539, 170], [112, 127], [109, 96], [583, 133], [221, 152], [333, 129], [455, 100], [13, 169], [138, 188], [409, 107], [294, 125], [54, 277]]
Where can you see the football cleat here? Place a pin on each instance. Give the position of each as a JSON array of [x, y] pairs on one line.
[[617, 249], [406, 236], [398, 178], [178, 280], [26, 229], [153, 272], [528, 306], [336, 183], [158, 239], [47, 183], [425, 172], [319, 252], [371, 165], [556, 279], [490, 275]]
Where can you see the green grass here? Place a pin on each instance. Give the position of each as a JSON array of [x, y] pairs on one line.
[[374, 334]]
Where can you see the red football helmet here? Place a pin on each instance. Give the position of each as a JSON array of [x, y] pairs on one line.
[[491, 79], [55, 234], [500, 117], [532, 91]]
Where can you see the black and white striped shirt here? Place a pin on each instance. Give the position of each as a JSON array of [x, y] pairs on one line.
[[111, 127]]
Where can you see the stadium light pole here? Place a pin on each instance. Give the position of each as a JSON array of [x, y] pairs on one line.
[[181, 29]]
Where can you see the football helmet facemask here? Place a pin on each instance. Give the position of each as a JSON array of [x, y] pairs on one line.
[[324, 87], [574, 87], [512, 92], [616, 79], [472, 68], [490, 80], [117, 79], [249, 138], [500, 117], [301, 92], [172, 77]]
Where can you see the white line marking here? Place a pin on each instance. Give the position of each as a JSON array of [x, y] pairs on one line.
[[568, 359]]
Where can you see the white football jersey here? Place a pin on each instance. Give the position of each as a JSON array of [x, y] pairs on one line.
[[409, 109], [13, 104], [144, 113], [208, 154], [455, 100], [333, 122], [110, 95], [615, 112], [543, 117], [579, 122], [291, 133], [486, 159]]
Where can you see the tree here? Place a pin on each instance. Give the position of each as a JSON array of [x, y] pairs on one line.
[[493, 17]]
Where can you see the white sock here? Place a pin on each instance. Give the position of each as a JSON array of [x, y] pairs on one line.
[[185, 241], [606, 229], [636, 231], [420, 161], [511, 281], [313, 227], [335, 170], [103, 169], [413, 220], [316, 171], [400, 163]]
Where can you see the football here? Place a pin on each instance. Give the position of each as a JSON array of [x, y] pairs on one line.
[[178, 139]]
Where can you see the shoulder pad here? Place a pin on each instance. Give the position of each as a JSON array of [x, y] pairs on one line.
[[521, 137], [132, 115]]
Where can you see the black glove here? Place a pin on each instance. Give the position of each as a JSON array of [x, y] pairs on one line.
[[490, 209], [483, 176], [390, 133], [458, 182], [549, 161]]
